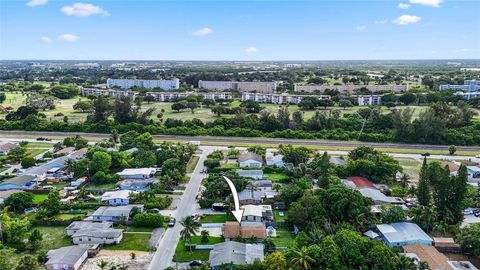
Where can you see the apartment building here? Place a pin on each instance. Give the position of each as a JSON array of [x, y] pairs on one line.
[[468, 85], [108, 92], [348, 89], [169, 96], [367, 100], [149, 84], [468, 95], [282, 98], [260, 87]]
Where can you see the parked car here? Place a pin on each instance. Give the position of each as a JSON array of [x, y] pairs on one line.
[[196, 263], [171, 222], [468, 212], [7, 165]]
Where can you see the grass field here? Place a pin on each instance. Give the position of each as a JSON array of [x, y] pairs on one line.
[[68, 216], [284, 237], [217, 218], [34, 152], [192, 163], [132, 241], [278, 218], [183, 255], [38, 198], [101, 187], [276, 177], [53, 237]]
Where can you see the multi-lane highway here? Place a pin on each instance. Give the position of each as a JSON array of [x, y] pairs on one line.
[[254, 140]]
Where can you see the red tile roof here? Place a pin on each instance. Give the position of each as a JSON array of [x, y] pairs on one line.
[[361, 182]]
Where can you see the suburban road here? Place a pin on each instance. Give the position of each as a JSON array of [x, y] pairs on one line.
[[167, 244], [254, 140]]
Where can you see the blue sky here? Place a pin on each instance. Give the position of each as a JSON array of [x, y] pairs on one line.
[[239, 30]]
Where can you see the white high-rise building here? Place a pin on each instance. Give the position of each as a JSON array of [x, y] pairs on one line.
[[149, 84], [260, 87]]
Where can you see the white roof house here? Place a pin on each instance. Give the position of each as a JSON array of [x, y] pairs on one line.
[[378, 197], [71, 257], [87, 225], [235, 253], [274, 160], [137, 173], [254, 174], [252, 210], [115, 213], [403, 233], [118, 194]]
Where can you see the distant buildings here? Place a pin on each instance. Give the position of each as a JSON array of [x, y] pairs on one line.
[[149, 84], [468, 85], [282, 98], [468, 95], [367, 100], [171, 96], [348, 89], [6, 147], [259, 87], [108, 92]]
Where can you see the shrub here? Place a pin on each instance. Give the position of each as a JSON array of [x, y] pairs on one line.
[[148, 220]]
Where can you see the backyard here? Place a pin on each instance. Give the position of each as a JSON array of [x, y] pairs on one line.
[[216, 218], [284, 237], [184, 255], [132, 241]]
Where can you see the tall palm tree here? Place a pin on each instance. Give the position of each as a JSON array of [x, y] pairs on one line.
[[301, 259], [190, 228]]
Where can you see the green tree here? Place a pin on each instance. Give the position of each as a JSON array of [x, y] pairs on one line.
[[28, 162], [294, 155], [423, 188], [190, 228], [452, 149], [275, 261], [53, 203], [101, 162], [301, 259], [34, 239], [7, 258], [392, 214], [205, 234], [469, 239], [18, 202], [17, 153]]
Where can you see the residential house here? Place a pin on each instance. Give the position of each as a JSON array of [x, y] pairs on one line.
[[430, 255], [250, 160], [98, 236], [337, 161], [119, 197], [257, 196], [115, 213], [137, 184], [254, 174], [6, 147], [378, 197], [274, 160], [78, 182], [261, 183], [257, 213], [79, 154], [66, 258], [64, 151], [232, 252], [137, 173], [7, 193], [402, 234], [233, 229], [87, 225], [22, 182]]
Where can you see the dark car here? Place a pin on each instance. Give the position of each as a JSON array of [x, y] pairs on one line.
[[426, 154], [171, 222], [196, 263]]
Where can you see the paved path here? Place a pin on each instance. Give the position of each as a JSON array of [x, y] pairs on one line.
[[166, 246], [156, 235]]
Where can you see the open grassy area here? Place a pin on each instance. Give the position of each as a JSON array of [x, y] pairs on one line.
[[68, 216], [53, 237], [284, 237], [217, 218], [34, 152], [276, 177], [278, 218], [192, 163], [184, 255], [38, 198], [132, 241], [136, 229], [39, 145]]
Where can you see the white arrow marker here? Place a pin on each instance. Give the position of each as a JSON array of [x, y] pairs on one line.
[[238, 213]]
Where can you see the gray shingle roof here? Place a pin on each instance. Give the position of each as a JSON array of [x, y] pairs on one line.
[[87, 225], [236, 253], [99, 233], [65, 255], [116, 211], [250, 156]]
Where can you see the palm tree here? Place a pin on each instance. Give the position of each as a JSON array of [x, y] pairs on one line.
[[301, 259], [190, 228], [405, 178], [102, 264], [205, 234], [70, 165]]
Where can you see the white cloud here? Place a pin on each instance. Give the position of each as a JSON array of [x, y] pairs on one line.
[[407, 19], [459, 51], [36, 3], [203, 32], [45, 39], [251, 49], [361, 28], [431, 3], [68, 37], [381, 22], [403, 6], [83, 10]]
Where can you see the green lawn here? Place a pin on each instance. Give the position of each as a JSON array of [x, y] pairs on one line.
[[38, 198], [184, 255], [43, 145], [276, 177], [53, 237], [217, 218], [284, 237], [68, 216], [132, 241], [192, 163], [278, 218], [136, 229], [34, 152]]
